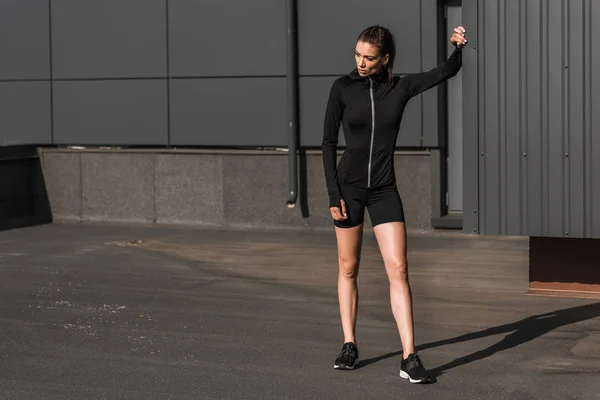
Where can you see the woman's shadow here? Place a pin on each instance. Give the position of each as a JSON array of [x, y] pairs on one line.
[[521, 332]]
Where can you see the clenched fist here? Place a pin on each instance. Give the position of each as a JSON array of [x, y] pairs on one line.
[[458, 37]]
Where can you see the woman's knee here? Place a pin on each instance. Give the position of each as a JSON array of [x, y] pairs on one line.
[[397, 269], [348, 267]]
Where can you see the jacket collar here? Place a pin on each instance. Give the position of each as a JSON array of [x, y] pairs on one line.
[[378, 78]]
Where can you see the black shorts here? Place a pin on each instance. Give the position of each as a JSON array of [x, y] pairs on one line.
[[383, 203]]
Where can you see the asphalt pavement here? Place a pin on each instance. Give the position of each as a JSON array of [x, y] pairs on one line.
[[151, 312]]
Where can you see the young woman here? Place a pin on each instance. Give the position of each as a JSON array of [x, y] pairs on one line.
[[369, 102]]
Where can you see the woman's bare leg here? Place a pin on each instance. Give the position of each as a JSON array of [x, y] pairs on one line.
[[391, 238], [349, 242]]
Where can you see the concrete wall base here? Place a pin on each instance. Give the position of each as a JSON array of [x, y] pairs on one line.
[[229, 188]]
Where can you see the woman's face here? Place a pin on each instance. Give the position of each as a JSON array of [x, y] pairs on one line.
[[368, 59]]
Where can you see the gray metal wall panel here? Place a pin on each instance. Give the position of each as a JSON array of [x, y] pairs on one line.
[[24, 113], [594, 108], [314, 92], [537, 112], [545, 132], [589, 59], [491, 105], [432, 133], [411, 127], [84, 40], [109, 38], [555, 113], [532, 78], [227, 38], [523, 119], [511, 119], [229, 112], [24, 43], [502, 134], [575, 143], [471, 119], [328, 32], [110, 112], [481, 110], [431, 25]]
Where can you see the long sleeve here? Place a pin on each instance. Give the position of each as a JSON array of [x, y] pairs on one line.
[[333, 117], [418, 83]]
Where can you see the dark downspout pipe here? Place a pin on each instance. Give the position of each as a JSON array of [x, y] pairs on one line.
[[292, 100]]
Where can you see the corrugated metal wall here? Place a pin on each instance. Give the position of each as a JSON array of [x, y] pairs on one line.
[[188, 72], [531, 139]]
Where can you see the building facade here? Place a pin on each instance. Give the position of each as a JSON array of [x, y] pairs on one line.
[[211, 113], [196, 98]]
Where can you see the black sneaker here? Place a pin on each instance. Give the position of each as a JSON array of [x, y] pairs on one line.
[[413, 370], [348, 357]]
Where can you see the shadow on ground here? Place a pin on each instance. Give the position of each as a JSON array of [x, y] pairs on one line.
[[519, 332]]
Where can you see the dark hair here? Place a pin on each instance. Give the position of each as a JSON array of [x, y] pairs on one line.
[[383, 39]]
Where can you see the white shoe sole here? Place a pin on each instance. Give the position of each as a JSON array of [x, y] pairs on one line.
[[346, 366], [404, 375]]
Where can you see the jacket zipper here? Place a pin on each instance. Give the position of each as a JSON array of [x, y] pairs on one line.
[[372, 132]]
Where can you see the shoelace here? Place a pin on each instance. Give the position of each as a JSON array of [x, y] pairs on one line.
[[414, 364], [347, 351]]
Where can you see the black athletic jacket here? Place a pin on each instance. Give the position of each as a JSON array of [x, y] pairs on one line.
[[371, 110]]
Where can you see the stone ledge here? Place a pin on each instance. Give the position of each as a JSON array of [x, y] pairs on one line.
[[204, 188]]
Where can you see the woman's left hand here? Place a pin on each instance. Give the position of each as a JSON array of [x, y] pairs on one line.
[[458, 37]]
